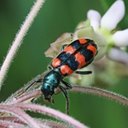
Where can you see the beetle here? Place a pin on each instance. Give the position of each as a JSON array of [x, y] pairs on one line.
[[76, 55]]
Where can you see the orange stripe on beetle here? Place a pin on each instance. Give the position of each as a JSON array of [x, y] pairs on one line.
[[69, 49], [80, 59], [56, 62], [92, 48], [66, 70], [82, 41]]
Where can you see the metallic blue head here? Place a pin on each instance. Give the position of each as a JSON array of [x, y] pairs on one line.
[[50, 82]]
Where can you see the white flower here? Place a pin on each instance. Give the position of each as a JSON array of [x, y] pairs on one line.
[[121, 37], [111, 43], [105, 24], [114, 15]]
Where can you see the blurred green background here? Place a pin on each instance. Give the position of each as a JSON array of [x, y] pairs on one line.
[[55, 18]]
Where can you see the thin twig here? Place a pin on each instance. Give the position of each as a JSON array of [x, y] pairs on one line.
[[18, 39], [7, 124], [90, 90], [12, 119], [51, 112], [51, 123], [27, 97], [20, 114], [101, 92], [27, 92]]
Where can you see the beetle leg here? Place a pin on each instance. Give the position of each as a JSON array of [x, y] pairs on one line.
[[50, 67], [63, 46], [66, 97], [83, 72], [68, 86], [34, 82]]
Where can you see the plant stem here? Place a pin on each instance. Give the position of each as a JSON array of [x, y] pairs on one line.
[[18, 39], [51, 112], [101, 92]]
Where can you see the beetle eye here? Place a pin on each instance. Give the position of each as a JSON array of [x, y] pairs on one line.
[[54, 81]]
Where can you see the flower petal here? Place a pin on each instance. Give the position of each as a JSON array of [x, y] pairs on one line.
[[118, 55], [94, 18], [113, 16], [121, 38]]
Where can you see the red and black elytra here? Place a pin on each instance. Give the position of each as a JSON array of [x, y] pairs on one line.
[[75, 55]]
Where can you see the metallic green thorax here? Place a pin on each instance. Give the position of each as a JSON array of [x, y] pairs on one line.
[[50, 82]]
